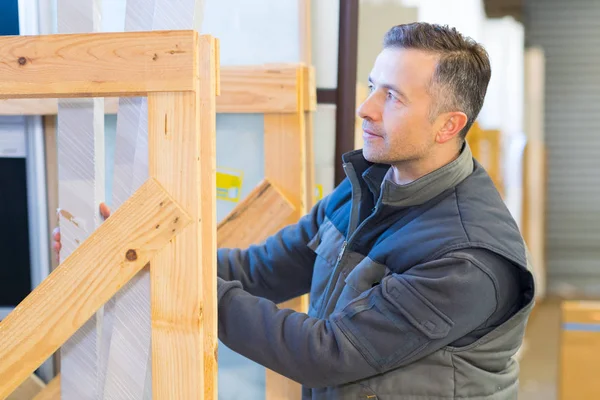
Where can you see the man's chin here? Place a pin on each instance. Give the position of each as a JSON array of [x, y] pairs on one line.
[[374, 157]]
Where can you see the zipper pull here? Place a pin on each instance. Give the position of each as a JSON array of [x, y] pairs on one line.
[[342, 251]]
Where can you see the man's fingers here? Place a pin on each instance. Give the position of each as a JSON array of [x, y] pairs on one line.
[[57, 246], [56, 234], [104, 210]]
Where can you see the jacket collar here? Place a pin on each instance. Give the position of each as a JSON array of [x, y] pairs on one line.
[[377, 178]]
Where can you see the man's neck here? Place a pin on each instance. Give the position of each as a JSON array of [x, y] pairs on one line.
[[406, 172]]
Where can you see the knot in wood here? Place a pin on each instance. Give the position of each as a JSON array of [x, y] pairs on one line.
[[131, 255], [22, 61]]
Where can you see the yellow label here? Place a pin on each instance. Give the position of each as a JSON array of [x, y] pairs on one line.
[[318, 192], [229, 184]]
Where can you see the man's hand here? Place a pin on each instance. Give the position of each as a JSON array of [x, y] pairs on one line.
[[56, 245]]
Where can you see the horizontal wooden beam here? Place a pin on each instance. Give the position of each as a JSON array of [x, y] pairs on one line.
[[98, 64], [243, 89], [259, 215], [86, 280]]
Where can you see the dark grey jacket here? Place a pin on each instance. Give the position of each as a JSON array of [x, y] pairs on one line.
[[419, 291]]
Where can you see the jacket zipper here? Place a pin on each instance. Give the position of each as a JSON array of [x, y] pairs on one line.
[[336, 270]]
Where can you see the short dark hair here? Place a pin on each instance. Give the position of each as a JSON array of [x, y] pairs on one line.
[[463, 71]]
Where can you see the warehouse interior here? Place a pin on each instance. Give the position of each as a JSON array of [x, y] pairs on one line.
[[534, 136]]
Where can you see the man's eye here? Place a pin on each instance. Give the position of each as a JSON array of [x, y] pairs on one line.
[[370, 88], [391, 96]]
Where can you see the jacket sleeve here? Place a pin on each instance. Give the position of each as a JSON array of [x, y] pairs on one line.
[[402, 319], [281, 267]]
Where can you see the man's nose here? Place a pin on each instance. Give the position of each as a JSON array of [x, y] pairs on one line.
[[369, 109]]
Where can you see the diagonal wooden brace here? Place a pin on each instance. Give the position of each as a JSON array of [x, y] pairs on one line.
[[88, 278], [261, 214]]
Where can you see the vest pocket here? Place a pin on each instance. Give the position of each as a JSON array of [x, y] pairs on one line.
[[363, 277], [392, 324]]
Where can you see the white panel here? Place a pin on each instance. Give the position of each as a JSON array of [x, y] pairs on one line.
[[80, 132], [12, 137], [467, 16], [375, 19], [240, 149], [504, 41], [504, 102], [254, 32], [325, 17]]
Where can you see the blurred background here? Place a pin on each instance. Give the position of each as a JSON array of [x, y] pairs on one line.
[[537, 135]]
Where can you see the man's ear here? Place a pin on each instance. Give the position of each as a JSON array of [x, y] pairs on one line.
[[451, 125]]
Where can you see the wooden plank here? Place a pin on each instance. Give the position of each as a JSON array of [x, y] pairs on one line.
[[97, 64], [243, 89], [260, 89], [260, 215], [51, 391], [86, 279], [206, 116], [184, 330], [310, 88], [310, 106], [28, 389], [286, 167]]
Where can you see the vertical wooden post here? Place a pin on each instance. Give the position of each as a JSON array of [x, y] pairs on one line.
[[286, 167], [183, 274]]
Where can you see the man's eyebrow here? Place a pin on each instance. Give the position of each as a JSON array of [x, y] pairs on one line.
[[391, 87]]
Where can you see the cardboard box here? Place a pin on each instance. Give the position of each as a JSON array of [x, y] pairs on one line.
[[579, 368]]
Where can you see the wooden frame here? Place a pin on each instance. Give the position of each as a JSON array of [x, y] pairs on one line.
[[178, 72], [286, 94]]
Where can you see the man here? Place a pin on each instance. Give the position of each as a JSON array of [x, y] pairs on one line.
[[417, 273]]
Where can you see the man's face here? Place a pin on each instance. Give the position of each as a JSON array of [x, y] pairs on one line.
[[396, 115]]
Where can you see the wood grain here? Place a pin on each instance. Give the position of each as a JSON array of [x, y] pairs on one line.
[[51, 391], [286, 167], [259, 89], [206, 117], [242, 89], [261, 214], [86, 279], [183, 274], [97, 64]]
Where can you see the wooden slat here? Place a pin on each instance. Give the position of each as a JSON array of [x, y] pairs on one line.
[[286, 167], [97, 64], [268, 88], [206, 117], [310, 88], [51, 391], [55, 309], [261, 214], [183, 274], [243, 89]]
